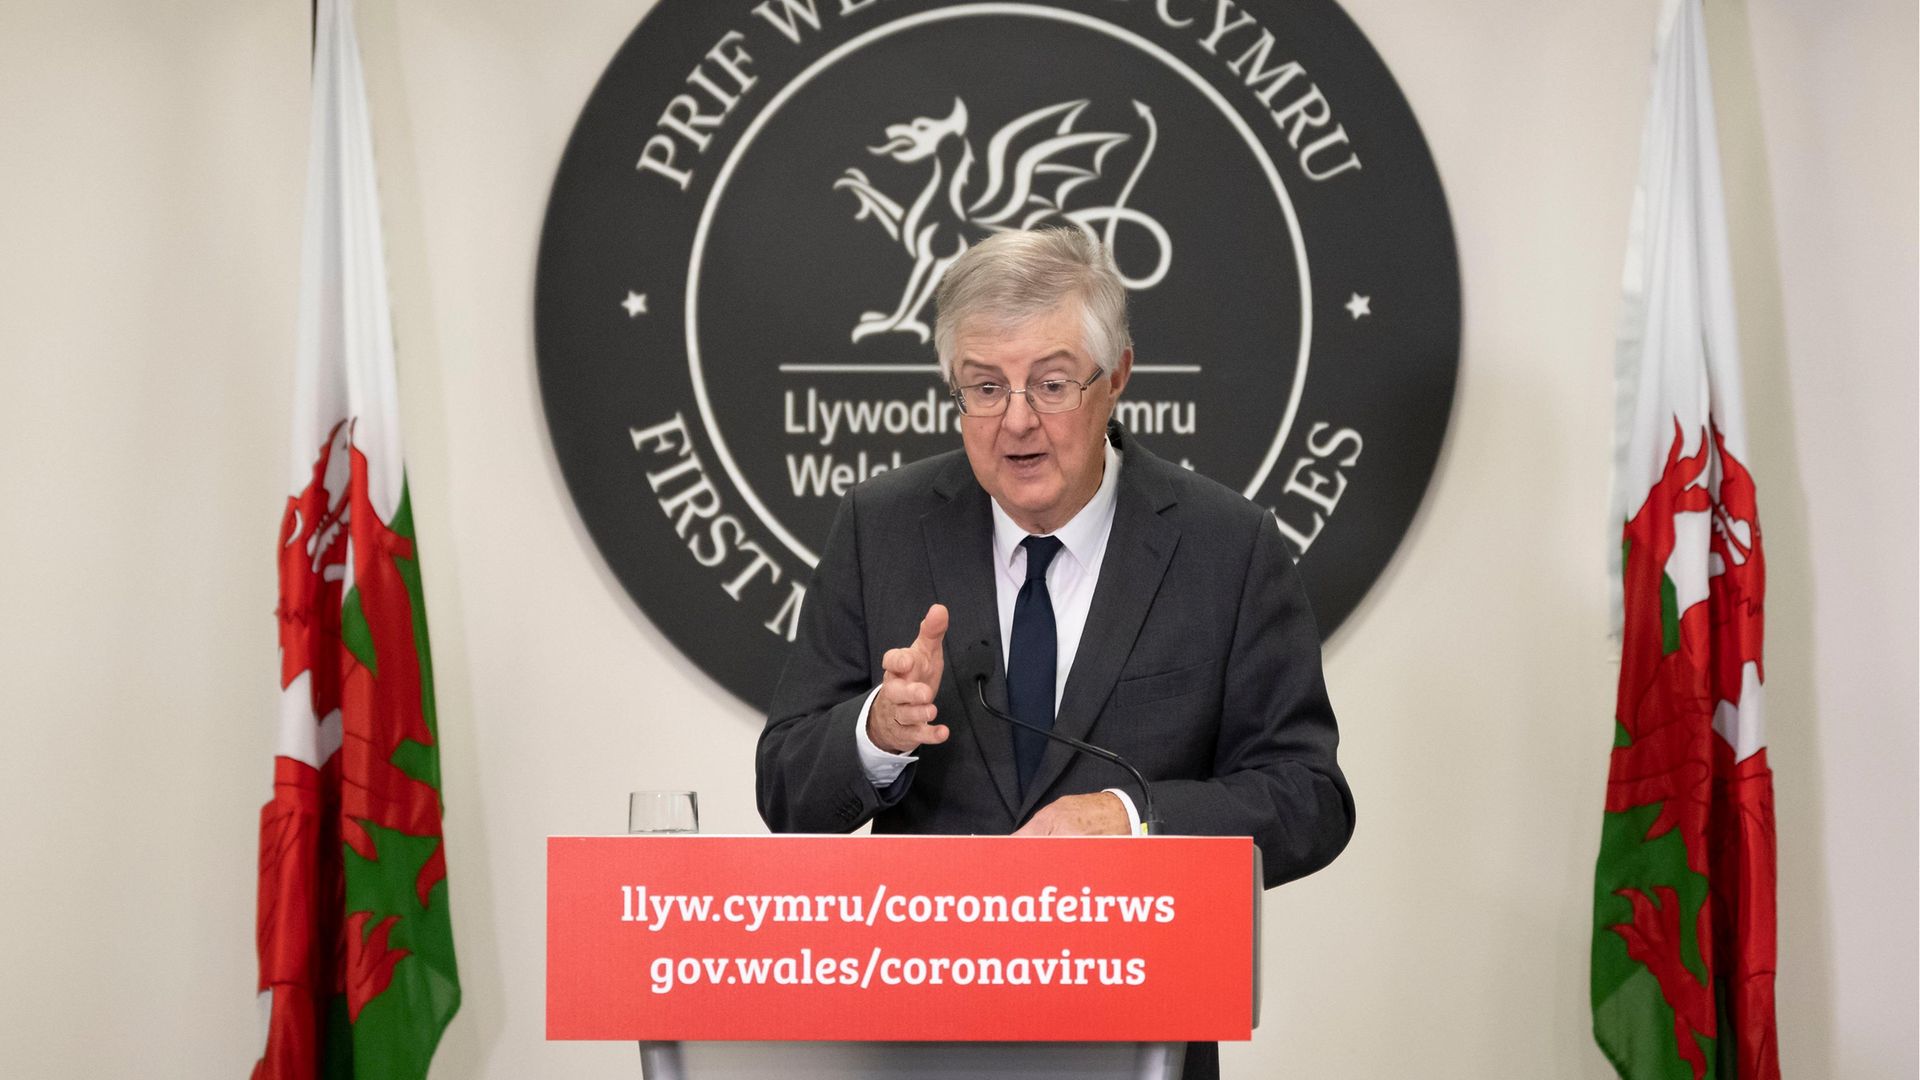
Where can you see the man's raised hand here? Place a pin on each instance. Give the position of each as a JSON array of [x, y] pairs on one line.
[[901, 719]]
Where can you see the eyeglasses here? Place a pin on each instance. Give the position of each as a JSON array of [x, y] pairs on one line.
[[1045, 396]]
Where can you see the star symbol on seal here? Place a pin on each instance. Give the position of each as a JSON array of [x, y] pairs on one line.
[[635, 303], [1360, 305]]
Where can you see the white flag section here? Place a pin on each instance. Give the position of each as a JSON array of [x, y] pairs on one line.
[[344, 361], [1678, 352], [343, 353], [357, 969], [1683, 949]]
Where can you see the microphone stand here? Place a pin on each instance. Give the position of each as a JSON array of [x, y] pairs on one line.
[[1147, 820]]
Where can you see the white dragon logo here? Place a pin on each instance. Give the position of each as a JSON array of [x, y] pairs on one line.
[[1029, 175]]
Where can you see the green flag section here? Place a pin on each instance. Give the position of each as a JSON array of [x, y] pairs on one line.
[[355, 938], [1683, 935]]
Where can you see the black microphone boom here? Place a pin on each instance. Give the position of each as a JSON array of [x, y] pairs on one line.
[[1146, 793]]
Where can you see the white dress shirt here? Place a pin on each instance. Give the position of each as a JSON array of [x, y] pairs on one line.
[[1071, 578]]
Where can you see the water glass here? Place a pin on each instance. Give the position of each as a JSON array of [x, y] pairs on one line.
[[663, 812]]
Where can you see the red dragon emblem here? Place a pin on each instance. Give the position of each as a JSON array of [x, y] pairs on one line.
[[1677, 668]]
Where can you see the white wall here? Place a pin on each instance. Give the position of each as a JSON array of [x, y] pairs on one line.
[[151, 162], [150, 178]]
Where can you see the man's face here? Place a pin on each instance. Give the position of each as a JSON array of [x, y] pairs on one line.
[[1041, 469]]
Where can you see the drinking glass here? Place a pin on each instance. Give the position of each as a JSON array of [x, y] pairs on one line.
[[663, 812]]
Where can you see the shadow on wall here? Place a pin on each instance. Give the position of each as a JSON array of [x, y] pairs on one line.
[[1805, 989]]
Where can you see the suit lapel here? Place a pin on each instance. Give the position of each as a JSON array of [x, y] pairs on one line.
[[959, 539], [1138, 551]]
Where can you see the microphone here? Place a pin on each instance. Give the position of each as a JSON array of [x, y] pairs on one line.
[[976, 661]]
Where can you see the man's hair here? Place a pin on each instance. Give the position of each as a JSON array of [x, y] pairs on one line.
[[1012, 277]]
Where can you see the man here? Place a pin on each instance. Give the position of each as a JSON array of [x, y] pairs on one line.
[[1163, 619]]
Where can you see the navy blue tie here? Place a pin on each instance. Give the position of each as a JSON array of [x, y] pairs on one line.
[[1033, 658]]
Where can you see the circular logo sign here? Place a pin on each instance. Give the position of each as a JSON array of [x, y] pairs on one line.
[[734, 303]]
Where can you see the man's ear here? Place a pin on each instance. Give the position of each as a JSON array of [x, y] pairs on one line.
[[1122, 371]]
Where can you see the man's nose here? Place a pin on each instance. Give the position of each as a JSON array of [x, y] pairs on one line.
[[1020, 415]]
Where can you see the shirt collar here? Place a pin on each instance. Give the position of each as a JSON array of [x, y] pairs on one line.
[[1080, 535]]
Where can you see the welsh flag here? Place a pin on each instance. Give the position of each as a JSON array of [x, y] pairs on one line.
[[1683, 937], [356, 948]]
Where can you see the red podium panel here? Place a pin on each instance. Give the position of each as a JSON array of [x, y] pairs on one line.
[[900, 938]]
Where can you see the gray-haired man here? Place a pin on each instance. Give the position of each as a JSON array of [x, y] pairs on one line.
[[1163, 612]]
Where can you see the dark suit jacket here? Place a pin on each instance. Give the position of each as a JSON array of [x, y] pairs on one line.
[[1200, 664]]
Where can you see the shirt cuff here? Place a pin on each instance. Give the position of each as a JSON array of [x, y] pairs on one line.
[[1133, 815], [881, 767]]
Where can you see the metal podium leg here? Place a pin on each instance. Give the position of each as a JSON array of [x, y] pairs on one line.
[[1161, 1061], [928, 1061], [661, 1061]]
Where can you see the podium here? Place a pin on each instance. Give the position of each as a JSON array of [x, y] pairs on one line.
[[897, 956]]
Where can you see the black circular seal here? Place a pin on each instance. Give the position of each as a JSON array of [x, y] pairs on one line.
[[734, 297]]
